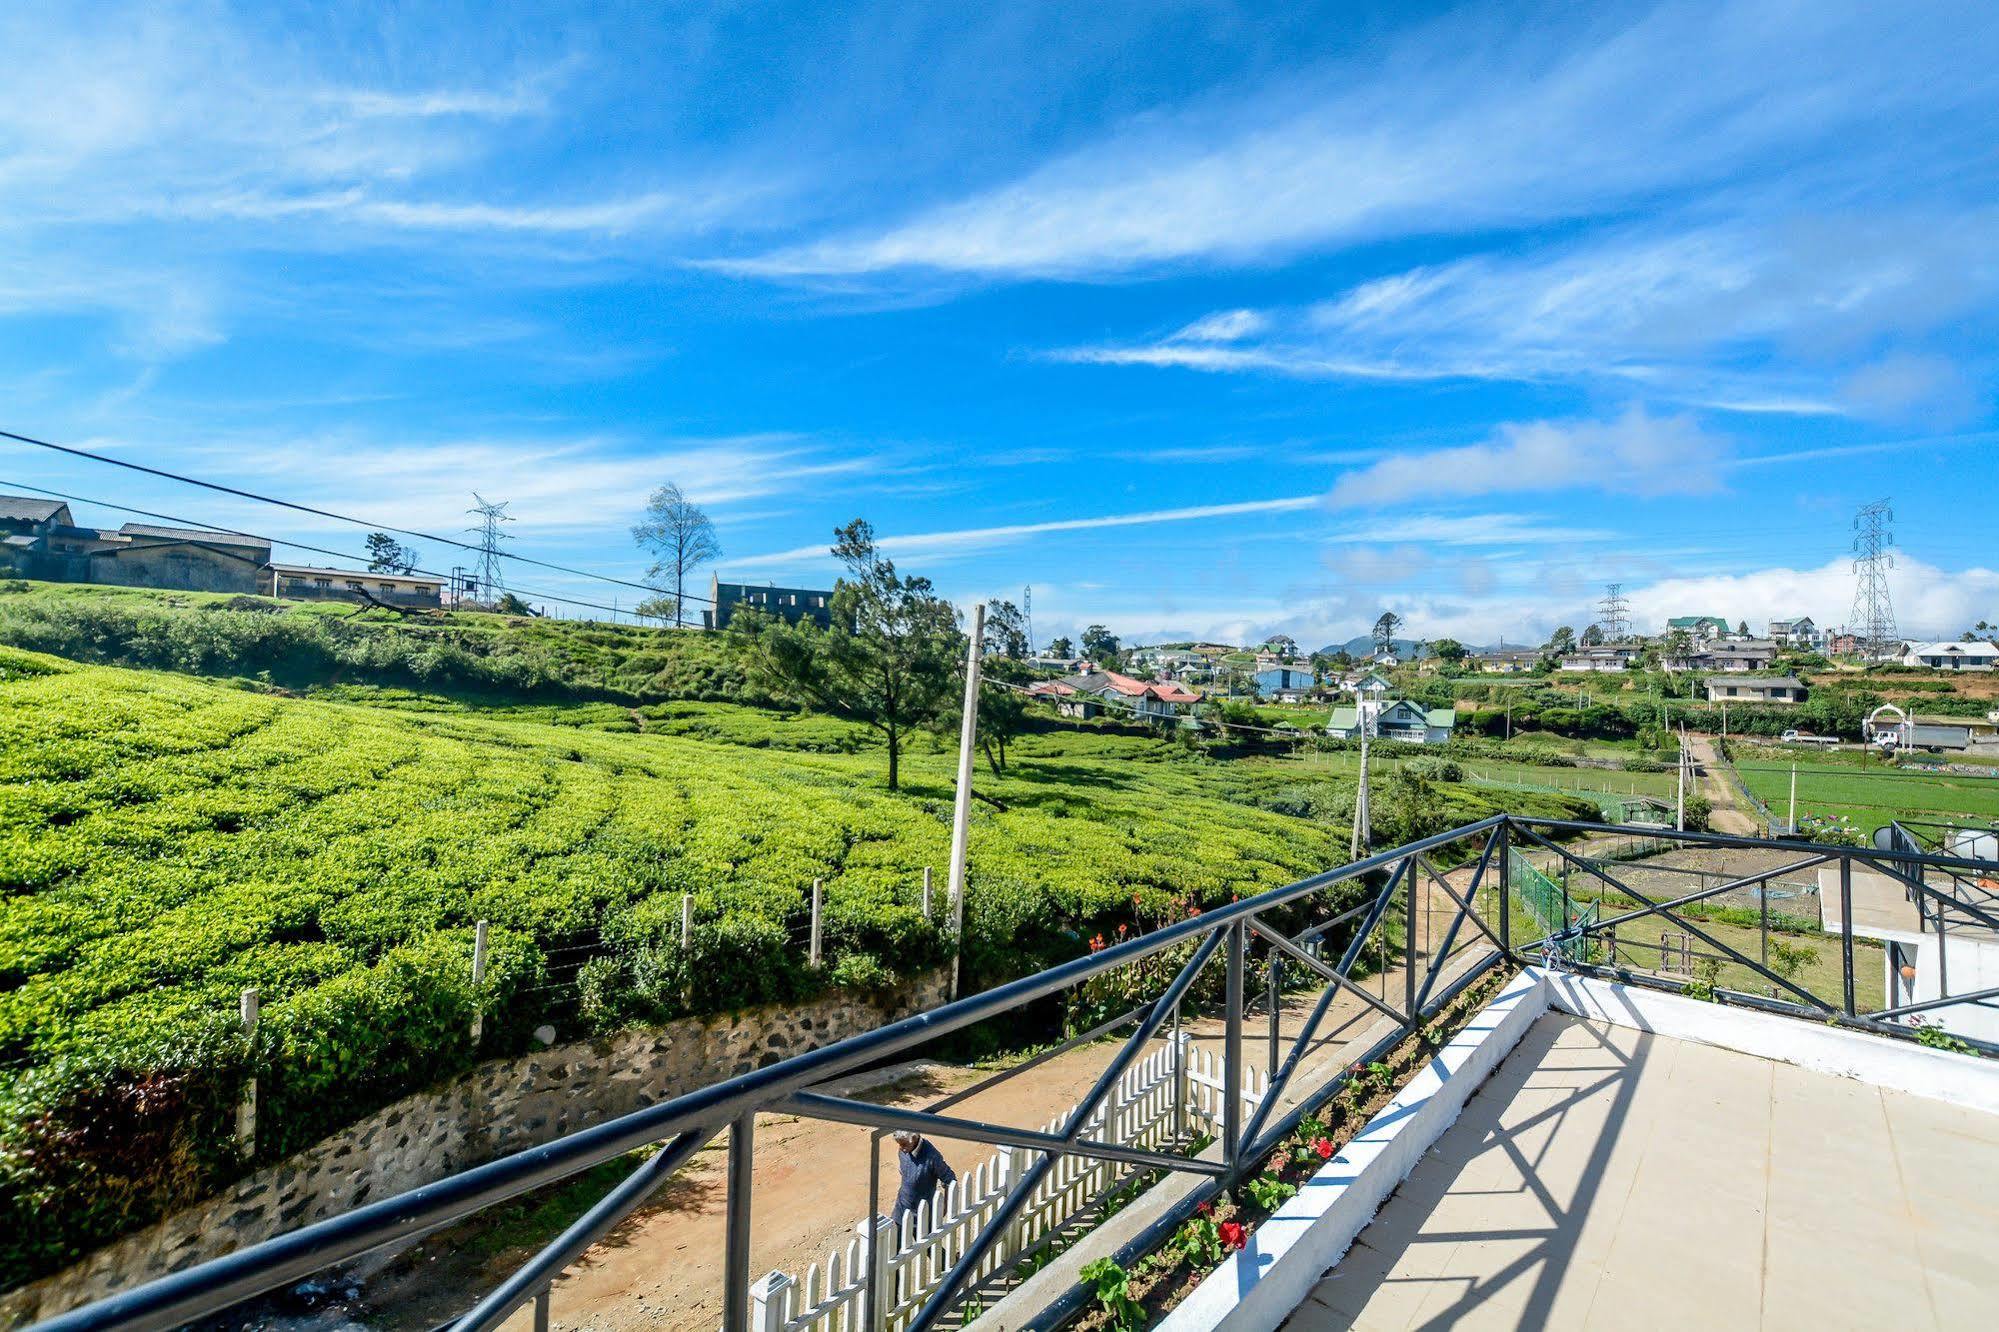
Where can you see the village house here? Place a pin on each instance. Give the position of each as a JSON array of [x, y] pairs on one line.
[[1393, 719], [1507, 661], [1965, 655], [306, 582], [1084, 693], [1755, 689], [1611, 657], [1274, 681], [1741, 655], [1800, 634], [1700, 628], [790, 604]]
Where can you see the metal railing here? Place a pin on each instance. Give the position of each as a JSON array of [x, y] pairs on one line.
[[1474, 892]]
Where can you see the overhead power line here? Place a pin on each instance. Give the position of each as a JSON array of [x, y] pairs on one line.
[[298, 545], [317, 512]]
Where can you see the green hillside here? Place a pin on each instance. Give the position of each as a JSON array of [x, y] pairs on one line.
[[326, 824]]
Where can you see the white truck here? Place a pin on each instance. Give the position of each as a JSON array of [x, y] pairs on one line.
[[1806, 738]]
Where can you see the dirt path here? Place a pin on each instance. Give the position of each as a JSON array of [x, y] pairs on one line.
[[1728, 812], [663, 1268]]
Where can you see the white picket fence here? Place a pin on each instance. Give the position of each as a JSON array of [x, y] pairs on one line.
[[1172, 1093]]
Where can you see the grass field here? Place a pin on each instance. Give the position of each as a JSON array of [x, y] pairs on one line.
[[1867, 792]]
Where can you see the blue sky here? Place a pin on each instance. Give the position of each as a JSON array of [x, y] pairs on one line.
[[1202, 319]]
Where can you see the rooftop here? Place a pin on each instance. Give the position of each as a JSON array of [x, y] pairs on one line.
[[314, 571], [1604, 1170]]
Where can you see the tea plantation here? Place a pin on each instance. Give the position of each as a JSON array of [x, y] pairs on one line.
[[168, 840]]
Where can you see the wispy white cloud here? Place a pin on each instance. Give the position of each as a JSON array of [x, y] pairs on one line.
[[1749, 319], [1636, 453], [970, 539], [1503, 528], [1458, 126]]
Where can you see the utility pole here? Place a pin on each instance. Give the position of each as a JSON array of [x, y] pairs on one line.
[[1680, 800], [1794, 796], [961, 813], [1361, 830], [1873, 612]]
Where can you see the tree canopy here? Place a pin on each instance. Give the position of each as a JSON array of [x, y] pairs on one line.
[[388, 555], [1100, 645], [887, 661], [680, 538]]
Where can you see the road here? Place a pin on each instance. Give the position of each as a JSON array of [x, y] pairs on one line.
[[662, 1269]]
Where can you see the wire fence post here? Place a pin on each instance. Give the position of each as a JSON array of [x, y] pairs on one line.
[[478, 982], [1506, 889], [686, 923], [246, 1109], [813, 948], [926, 892]]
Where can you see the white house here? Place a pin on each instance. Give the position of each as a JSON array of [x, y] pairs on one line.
[[1755, 689], [1393, 719], [1971, 655], [1800, 633], [1616, 657]]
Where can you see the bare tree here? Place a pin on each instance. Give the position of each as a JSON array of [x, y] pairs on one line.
[[680, 538]]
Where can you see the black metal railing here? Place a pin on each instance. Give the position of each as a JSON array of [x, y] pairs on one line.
[[1395, 886]]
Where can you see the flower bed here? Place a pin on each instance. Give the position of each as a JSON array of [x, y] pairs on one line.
[[1138, 1297]]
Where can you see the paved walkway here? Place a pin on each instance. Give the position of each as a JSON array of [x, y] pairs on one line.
[[1608, 1178]]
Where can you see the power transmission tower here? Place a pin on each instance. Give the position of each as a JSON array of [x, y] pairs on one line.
[[1873, 613], [491, 580], [1027, 614], [1614, 614]]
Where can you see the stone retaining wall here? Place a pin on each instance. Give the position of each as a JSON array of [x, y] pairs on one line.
[[489, 1111]]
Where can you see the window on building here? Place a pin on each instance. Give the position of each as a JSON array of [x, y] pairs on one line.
[[354, 585]]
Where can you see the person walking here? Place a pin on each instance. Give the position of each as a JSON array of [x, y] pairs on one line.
[[924, 1171]]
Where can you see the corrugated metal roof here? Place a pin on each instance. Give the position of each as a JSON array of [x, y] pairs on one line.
[[24, 509], [195, 534]]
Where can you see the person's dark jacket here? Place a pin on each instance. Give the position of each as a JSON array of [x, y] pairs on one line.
[[923, 1172]]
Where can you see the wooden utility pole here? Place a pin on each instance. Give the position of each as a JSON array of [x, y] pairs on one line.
[[961, 813], [1680, 799]]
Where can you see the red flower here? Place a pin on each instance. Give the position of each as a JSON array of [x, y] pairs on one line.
[[1324, 1147], [1232, 1234], [1097, 944], [1206, 1209]]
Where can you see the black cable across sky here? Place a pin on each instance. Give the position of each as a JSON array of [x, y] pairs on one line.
[[319, 512], [301, 545]]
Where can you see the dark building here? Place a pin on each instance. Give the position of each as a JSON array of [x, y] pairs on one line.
[[40, 539], [791, 604]]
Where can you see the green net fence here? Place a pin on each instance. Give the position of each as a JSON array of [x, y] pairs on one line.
[[1552, 909]]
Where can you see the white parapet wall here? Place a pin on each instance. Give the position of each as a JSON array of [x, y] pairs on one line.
[[1880, 1061], [1258, 1287]]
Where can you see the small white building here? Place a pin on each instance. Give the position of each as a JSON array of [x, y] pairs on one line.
[[1755, 689], [1969, 655]]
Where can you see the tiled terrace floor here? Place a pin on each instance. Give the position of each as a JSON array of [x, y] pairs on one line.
[[1607, 1178]]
